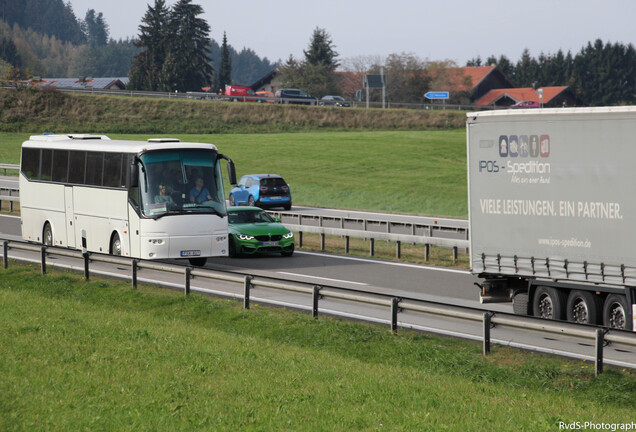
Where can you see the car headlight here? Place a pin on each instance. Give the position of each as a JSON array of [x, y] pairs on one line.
[[288, 235], [245, 237]]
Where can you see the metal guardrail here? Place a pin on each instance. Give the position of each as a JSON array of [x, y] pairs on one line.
[[489, 320], [6, 167]]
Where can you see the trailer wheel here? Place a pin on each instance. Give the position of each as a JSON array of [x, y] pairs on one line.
[[520, 303], [582, 308], [548, 303], [615, 312]]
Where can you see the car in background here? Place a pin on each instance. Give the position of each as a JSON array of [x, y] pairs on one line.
[[265, 94], [253, 231], [295, 96], [334, 101], [526, 104], [262, 190]]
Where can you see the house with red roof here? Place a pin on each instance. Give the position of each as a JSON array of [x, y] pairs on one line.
[[547, 97]]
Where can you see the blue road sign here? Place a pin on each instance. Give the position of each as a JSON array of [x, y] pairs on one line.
[[437, 95]]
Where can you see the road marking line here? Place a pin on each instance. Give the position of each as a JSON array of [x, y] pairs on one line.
[[321, 278], [10, 216], [416, 266]]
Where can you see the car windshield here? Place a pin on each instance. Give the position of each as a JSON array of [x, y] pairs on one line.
[[249, 216], [181, 181]]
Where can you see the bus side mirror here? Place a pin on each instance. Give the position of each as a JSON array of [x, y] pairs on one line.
[[231, 172], [134, 175]]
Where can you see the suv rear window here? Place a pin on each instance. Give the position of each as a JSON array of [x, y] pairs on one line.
[[272, 182]]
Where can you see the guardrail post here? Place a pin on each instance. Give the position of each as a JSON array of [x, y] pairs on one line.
[[346, 244], [454, 254], [427, 251], [247, 285], [398, 249], [372, 247], [188, 272], [300, 239], [5, 253], [394, 314], [134, 273], [600, 342], [322, 241], [86, 261], [43, 257], [315, 298], [487, 326]]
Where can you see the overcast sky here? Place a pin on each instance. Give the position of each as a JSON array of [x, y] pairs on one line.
[[431, 29]]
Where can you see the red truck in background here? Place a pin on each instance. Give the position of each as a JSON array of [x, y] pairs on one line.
[[240, 93]]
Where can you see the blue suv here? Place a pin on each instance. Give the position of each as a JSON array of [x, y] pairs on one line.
[[261, 190]]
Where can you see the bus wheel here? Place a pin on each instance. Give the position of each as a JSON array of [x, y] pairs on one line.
[[548, 303], [197, 262], [582, 307], [47, 235], [615, 312], [115, 244]]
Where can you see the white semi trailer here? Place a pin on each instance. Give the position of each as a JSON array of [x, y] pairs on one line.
[[552, 202]]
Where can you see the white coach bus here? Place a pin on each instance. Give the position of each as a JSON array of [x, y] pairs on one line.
[[152, 199]]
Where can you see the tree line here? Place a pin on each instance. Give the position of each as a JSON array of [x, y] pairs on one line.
[[599, 74], [45, 38]]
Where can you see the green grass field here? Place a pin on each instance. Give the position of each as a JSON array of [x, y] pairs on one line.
[[97, 355], [417, 172]]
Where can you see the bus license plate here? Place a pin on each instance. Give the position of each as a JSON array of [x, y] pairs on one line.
[[269, 243], [189, 253]]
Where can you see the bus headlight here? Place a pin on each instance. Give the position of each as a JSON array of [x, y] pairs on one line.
[[156, 241], [220, 239]]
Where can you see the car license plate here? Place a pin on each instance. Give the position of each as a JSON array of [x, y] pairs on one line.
[[269, 243], [275, 198], [189, 253]]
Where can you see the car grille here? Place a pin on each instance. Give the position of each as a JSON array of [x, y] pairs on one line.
[[269, 238]]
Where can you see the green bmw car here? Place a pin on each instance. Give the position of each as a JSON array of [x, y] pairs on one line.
[[253, 231]]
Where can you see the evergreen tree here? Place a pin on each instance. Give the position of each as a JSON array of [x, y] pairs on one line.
[[147, 65], [187, 67], [321, 50], [9, 53], [316, 74], [526, 71], [225, 68], [95, 29]]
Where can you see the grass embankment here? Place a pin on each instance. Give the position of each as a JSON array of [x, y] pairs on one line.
[[417, 172], [100, 356], [30, 110]]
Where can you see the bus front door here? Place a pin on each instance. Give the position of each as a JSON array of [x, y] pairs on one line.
[[70, 216]]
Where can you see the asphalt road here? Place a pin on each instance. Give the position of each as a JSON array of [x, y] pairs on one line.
[[399, 279]]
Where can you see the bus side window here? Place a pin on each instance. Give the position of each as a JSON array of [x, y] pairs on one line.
[[112, 169], [94, 165], [45, 165], [31, 163], [60, 166], [77, 167]]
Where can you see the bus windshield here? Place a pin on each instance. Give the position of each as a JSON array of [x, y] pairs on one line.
[[179, 182]]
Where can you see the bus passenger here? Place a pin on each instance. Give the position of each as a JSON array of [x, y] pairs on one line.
[[162, 196], [199, 193]]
